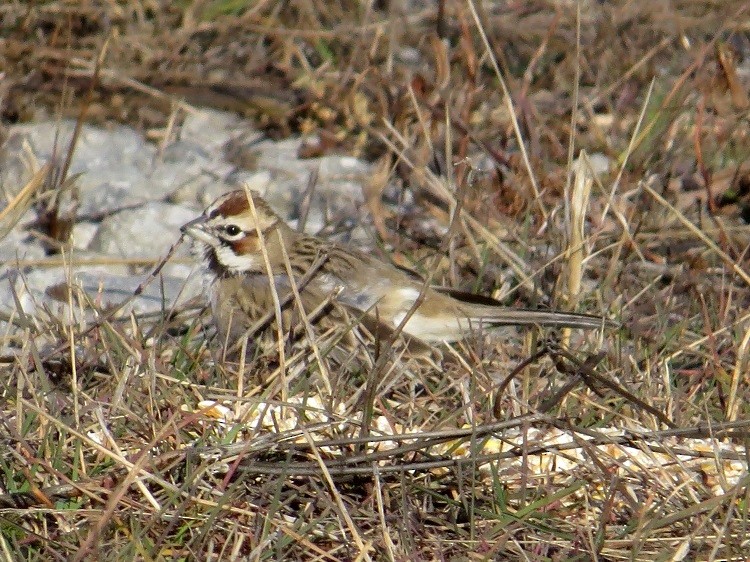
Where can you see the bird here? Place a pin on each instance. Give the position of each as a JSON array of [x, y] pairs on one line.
[[257, 265]]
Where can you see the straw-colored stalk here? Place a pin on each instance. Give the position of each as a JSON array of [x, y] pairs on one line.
[[576, 252]]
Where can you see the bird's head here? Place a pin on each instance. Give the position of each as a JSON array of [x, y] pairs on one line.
[[230, 230]]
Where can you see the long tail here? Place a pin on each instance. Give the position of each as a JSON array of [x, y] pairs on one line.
[[480, 308], [520, 317]]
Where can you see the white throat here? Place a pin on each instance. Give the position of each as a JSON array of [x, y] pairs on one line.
[[238, 264]]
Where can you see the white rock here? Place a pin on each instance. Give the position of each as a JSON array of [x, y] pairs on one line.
[[19, 246], [145, 232], [83, 233], [102, 286], [96, 148], [212, 129]]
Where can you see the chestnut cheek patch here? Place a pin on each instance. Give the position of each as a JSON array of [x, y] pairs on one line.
[[249, 244]]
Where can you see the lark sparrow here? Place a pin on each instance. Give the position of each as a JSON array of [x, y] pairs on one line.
[[246, 246]]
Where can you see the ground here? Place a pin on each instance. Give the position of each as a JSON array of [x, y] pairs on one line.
[[128, 441]]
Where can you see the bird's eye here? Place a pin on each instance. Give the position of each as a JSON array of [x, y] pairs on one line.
[[232, 230]]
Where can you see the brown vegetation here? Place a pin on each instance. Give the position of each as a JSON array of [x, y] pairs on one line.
[[112, 428]]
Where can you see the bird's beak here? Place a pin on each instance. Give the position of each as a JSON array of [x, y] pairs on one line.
[[194, 224], [196, 228]]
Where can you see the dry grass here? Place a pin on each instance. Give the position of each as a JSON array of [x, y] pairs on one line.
[[125, 440]]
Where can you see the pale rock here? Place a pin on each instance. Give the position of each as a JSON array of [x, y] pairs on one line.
[[145, 232]]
